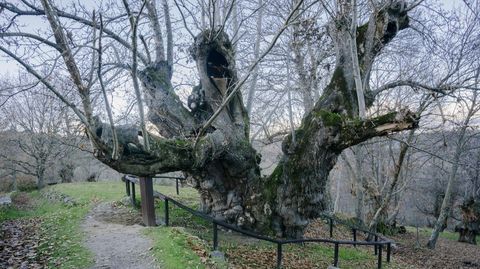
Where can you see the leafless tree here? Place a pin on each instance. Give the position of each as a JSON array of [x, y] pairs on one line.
[[210, 140], [35, 132]]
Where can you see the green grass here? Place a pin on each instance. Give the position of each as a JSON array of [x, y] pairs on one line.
[[61, 238], [428, 231], [178, 246], [349, 257], [173, 248], [64, 240], [86, 192]]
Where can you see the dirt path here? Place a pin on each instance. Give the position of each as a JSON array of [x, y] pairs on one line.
[[113, 234]]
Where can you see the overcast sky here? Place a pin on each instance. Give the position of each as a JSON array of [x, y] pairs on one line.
[[9, 66]]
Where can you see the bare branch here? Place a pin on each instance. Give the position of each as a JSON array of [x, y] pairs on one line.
[[32, 36], [115, 150], [29, 68], [250, 69], [68, 58], [183, 19], [134, 24]]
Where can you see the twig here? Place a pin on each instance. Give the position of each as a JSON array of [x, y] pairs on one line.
[[250, 69], [104, 92]]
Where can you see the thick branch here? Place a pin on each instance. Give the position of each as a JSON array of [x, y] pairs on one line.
[[238, 86], [357, 131], [168, 25], [67, 55], [166, 110], [383, 26], [157, 31], [165, 155]]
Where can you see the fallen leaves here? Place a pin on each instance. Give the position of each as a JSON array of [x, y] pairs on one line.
[[447, 254], [19, 244]]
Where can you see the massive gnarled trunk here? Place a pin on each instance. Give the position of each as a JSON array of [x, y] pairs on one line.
[[220, 160], [470, 226]]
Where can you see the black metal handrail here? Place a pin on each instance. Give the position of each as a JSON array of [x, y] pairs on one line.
[[378, 245]]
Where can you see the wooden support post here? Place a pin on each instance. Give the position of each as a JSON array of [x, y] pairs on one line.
[[176, 186], [148, 206]]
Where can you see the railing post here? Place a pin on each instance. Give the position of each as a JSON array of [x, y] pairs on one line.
[[215, 236], [134, 199], [127, 186], [335, 255], [380, 247], [376, 240], [279, 255], [331, 227], [176, 186], [389, 251], [166, 211], [354, 236]]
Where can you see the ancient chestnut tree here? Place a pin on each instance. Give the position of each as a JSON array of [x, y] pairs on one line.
[[209, 139]]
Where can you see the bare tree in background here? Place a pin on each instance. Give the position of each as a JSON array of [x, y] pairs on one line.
[[35, 135], [471, 107], [209, 140]]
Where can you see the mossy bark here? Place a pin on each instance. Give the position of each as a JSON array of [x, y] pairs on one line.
[[222, 164], [296, 191], [470, 226]]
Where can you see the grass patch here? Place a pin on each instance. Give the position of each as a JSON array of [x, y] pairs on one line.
[[310, 255], [344, 253], [186, 246], [427, 232], [241, 250], [60, 236], [63, 240], [86, 192], [173, 248]]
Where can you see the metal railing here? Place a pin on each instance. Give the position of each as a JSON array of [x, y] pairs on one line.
[[380, 242]]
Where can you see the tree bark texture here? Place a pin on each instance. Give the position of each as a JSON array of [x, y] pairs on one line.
[[221, 162], [470, 226]]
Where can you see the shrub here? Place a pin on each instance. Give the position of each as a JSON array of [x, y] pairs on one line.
[[6, 184], [26, 183]]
